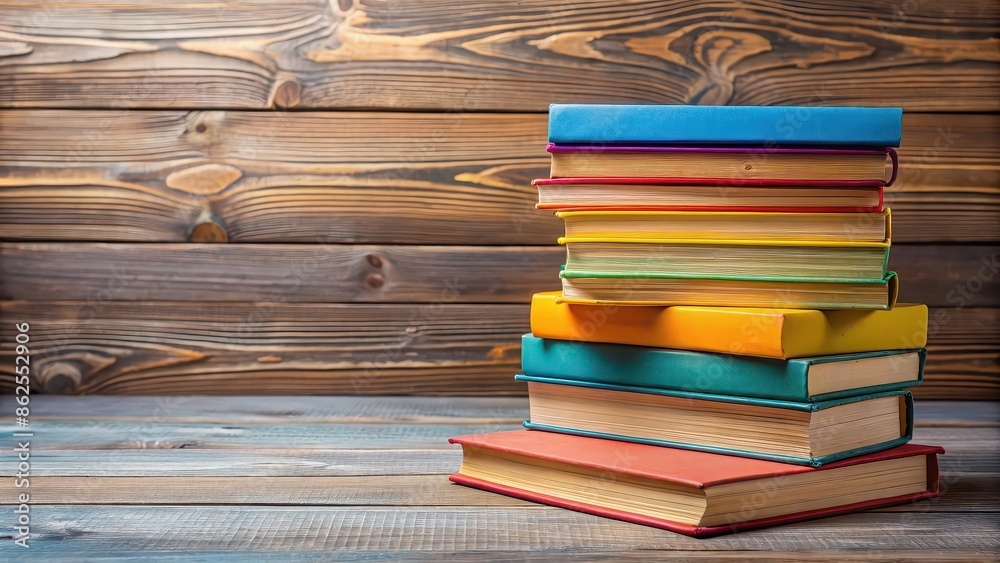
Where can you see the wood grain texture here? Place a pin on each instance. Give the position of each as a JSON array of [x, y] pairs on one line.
[[389, 490], [446, 529], [113, 436], [937, 275], [965, 494], [336, 409], [484, 55], [273, 177], [272, 348], [152, 347], [963, 354], [263, 488], [949, 179], [252, 462], [948, 276], [124, 436], [378, 177], [415, 410], [59, 552], [255, 462], [273, 274]]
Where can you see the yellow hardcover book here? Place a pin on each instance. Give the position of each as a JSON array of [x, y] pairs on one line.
[[769, 333], [727, 225], [615, 289], [773, 260]]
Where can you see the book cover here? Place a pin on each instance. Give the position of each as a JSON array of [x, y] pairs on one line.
[[730, 166], [580, 124], [665, 226], [819, 261], [668, 290], [699, 372], [770, 333], [720, 197], [684, 468], [819, 461]]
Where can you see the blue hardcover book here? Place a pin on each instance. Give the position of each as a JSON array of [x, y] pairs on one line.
[[786, 431], [581, 124], [804, 380]]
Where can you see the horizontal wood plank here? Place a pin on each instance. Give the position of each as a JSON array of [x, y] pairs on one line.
[[483, 55], [956, 413], [269, 348], [251, 461], [964, 494], [391, 490], [446, 529], [963, 353], [273, 177], [409, 410], [233, 499], [938, 275], [962, 459], [100, 435], [378, 178], [164, 348], [111, 436], [273, 274], [59, 552], [948, 276], [276, 409]]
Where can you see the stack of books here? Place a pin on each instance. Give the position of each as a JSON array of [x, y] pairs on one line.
[[726, 351]]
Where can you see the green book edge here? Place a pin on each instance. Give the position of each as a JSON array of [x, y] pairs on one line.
[[569, 274]]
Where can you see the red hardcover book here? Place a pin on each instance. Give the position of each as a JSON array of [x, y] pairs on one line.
[[730, 166], [694, 493], [664, 194]]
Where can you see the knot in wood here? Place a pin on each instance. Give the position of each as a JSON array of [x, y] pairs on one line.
[[209, 231], [60, 378], [375, 281], [287, 92]]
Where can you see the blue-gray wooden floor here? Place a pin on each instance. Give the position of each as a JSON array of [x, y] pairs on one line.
[[287, 478]]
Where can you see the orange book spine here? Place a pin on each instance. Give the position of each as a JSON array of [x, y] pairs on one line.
[[662, 327]]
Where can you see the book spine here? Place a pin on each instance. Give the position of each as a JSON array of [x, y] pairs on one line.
[[705, 531], [894, 158], [698, 329], [568, 273], [576, 124], [717, 209], [923, 360], [555, 170], [759, 182], [805, 461], [701, 396], [698, 372]]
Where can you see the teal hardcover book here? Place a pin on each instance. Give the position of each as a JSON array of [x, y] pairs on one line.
[[801, 433], [799, 380], [769, 126]]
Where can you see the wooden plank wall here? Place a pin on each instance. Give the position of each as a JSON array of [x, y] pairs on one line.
[[303, 196]]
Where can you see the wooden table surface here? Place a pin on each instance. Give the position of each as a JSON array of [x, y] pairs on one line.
[[296, 478]]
